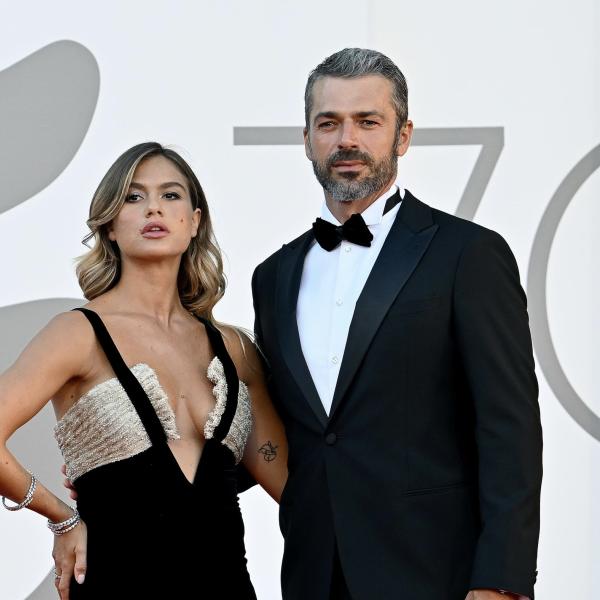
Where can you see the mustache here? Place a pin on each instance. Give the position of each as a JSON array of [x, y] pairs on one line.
[[349, 155]]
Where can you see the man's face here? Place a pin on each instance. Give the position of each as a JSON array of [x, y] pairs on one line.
[[351, 140]]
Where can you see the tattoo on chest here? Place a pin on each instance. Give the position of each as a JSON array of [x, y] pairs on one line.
[[268, 451]]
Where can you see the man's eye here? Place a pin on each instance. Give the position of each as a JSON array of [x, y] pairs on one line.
[[326, 125], [368, 123], [172, 196], [133, 197]]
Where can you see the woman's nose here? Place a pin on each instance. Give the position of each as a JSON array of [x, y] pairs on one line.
[[153, 205]]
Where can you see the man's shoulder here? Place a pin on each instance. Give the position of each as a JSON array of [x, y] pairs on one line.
[[273, 259], [457, 228]]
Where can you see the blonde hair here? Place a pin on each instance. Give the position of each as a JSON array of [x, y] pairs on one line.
[[201, 282]]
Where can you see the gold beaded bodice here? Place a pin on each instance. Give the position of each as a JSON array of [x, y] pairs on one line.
[[103, 426]]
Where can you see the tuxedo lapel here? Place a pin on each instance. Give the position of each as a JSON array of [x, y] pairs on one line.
[[289, 275], [404, 246]]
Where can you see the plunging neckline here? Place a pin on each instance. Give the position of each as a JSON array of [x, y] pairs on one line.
[[94, 389], [198, 462], [226, 385], [135, 367]]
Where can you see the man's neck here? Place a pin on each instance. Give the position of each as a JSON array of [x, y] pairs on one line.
[[342, 211]]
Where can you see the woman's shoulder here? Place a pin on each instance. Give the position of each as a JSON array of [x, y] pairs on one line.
[[66, 344], [76, 323], [70, 325], [70, 330], [239, 343]]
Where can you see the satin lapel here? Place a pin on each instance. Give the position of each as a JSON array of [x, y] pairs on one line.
[[289, 275], [406, 243]]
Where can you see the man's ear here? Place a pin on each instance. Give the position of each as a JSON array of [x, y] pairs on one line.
[[307, 148], [404, 138]]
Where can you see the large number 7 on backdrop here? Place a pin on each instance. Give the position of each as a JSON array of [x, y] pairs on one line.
[[491, 140]]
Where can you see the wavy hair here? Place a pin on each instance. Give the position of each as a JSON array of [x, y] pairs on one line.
[[201, 281]]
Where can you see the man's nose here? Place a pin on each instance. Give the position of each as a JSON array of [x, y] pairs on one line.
[[348, 137]]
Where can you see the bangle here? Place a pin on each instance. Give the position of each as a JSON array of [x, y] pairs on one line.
[[66, 525], [28, 496]]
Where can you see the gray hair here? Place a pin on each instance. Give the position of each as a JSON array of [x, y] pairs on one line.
[[357, 62]]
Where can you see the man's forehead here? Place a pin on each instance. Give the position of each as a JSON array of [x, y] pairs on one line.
[[364, 93]]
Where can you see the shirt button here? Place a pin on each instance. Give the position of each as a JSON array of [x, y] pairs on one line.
[[339, 302], [348, 248], [334, 360], [330, 439]]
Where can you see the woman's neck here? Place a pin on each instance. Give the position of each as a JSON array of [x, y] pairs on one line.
[[150, 288]]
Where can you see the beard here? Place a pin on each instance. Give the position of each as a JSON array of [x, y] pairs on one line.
[[346, 187]]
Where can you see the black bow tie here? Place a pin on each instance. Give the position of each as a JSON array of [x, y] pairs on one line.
[[354, 230]]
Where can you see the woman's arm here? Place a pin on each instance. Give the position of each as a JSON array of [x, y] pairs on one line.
[[60, 352], [265, 456]]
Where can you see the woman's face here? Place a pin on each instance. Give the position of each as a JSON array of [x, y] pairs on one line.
[[157, 219]]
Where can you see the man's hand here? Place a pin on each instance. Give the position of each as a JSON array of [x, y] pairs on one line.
[[67, 483], [490, 595]]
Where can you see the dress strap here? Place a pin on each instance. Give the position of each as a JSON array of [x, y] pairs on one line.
[[127, 379], [233, 383]]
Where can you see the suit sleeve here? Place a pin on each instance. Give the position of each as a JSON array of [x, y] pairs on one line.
[[258, 337], [492, 331], [258, 331], [257, 328]]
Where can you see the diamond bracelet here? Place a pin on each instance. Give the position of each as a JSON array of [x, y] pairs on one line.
[[28, 496], [66, 525]]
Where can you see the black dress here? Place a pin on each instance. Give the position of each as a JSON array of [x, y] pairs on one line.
[[152, 533]]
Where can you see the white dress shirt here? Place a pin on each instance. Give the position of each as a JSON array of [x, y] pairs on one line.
[[330, 286]]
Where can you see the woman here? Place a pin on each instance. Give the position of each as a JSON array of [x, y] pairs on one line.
[[155, 404]]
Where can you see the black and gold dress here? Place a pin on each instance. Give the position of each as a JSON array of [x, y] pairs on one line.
[[151, 532]]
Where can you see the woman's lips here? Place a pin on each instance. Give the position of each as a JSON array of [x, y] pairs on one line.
[[154, 230], [155, 234]]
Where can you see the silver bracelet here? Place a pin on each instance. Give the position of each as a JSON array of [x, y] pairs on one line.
[[28, 496], [66, 525]]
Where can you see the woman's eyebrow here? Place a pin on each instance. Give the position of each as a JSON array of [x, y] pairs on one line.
[[171, 184], [167, 184]]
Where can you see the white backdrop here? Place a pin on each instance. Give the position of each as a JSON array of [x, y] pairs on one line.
[[186, 74]]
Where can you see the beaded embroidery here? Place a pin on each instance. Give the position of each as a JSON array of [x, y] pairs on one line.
[[242, 421], [103, 426]]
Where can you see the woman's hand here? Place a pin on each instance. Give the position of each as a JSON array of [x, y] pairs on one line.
[[69, 553]]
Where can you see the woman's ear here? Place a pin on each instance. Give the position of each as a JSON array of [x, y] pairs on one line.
[[196, 219]]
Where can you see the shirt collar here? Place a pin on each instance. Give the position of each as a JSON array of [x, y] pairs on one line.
[[373, 214]]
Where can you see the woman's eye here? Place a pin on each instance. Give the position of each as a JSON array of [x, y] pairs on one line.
[[133, 197], [172, 196]]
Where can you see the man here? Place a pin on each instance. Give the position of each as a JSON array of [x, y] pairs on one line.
[[400, 359]]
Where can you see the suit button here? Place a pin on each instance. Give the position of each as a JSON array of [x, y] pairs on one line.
[[330, 439]]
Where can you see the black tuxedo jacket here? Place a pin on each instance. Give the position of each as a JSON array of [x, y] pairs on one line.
[[427, 473]]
